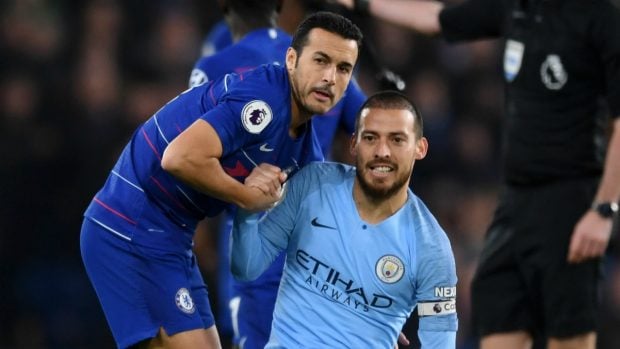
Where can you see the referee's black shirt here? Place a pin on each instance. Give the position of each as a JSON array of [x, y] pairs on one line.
[[561, 61]]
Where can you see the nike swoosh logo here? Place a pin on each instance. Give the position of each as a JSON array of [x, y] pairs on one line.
[[265, 147], [316, 223]]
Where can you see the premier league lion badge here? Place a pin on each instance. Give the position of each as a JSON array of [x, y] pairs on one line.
[[255, 116]]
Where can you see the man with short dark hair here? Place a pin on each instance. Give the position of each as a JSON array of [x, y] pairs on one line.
[[189, 161]]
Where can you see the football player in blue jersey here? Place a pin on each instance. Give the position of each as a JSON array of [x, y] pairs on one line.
[[246, 308], [362, 250], [190, 161]]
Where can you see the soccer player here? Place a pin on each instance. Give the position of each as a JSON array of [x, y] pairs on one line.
[[362, 251], [539, 270], [257, 40], [189, 161]]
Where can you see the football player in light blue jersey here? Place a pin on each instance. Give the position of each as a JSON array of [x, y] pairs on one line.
[[189, 161], [257, 40], [362, 251]]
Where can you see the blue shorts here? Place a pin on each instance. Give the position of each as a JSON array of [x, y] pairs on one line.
[[142, 289]]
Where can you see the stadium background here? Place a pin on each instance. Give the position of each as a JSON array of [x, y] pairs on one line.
[[78, 76]]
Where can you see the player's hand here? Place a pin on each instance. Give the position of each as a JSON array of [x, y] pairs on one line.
[[265, 181], [590, 238], [402, 339]]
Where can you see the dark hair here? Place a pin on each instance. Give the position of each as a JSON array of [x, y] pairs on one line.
[[393, 100], [329, 21], [252, 10]]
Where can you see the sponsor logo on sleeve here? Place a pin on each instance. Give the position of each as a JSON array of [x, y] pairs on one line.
[[513, 56], [445, 292], [255, 116], [389, 269], [198, 77]]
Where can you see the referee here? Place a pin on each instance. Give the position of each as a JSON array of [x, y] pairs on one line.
[[539, 270]]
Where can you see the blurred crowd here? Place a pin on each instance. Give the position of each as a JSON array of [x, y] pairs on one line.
[[79, 76]]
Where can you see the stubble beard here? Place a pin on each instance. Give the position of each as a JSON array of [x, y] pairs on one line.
[[383, 193]]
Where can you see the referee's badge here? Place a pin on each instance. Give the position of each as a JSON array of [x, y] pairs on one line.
[[255, 116], [513, 56], [389, 269], [184, 301], [552, 72]]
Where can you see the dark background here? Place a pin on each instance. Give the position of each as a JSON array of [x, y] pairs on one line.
[[78, 76]]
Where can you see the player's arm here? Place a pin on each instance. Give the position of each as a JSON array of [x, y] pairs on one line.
[[436, 294], [194, 158], [592, 233], [420, 15], [257, 242], [251, 253]]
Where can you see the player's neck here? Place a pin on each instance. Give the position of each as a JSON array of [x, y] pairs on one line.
[[376, 210], [299, 117]]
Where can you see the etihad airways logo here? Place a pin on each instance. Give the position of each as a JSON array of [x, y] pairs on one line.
[[333, 285]]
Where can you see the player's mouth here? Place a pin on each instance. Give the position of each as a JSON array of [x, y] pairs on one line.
[[381, 169], [323, 95]]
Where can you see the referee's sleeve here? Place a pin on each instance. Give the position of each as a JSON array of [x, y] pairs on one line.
[[473, 19]]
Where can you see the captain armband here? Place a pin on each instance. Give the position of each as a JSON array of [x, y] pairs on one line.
[[438, 307]]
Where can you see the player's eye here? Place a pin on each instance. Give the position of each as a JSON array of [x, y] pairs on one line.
[[368, 138], [344, 69]]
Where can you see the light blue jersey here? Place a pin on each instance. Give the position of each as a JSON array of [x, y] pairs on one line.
[[347, 283]]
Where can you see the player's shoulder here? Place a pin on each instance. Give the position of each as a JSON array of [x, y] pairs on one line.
[[268, 82], [427, 228], [323, 172], [328, 168]]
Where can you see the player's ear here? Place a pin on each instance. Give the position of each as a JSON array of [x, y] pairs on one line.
[[421, 148], [353, 145], [291, 59]]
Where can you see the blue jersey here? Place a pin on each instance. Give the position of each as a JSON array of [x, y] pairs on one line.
[[269, 45], [348, 283], [261, 46], [251, 114], [219, 37]]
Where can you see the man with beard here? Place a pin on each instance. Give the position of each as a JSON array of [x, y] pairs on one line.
[[189, 161], [362, 251]]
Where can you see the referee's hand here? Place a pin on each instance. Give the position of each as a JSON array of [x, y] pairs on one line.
[[590, 238]]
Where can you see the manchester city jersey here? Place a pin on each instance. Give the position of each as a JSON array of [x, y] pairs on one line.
[[251, 115], [348, 283]]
